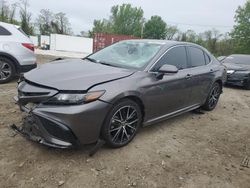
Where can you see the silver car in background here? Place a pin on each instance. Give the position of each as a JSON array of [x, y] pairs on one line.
[[16, 52]]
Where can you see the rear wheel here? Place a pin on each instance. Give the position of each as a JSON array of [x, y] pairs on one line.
[[213, 97], [122, 123], [7, 70]]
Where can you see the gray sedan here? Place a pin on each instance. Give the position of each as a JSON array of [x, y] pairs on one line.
[[113, 92]]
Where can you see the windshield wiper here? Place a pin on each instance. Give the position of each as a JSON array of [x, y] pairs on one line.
[[92, 60], [100, 62], [108, 64]]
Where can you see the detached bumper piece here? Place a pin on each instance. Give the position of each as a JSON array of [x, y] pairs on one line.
[[46, 132]]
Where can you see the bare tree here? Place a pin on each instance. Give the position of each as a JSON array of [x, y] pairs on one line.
[[61, 24]]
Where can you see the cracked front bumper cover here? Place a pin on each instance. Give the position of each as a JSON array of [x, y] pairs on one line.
[[33, 130]]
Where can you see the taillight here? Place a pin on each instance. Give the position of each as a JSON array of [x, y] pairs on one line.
[[29, 46]]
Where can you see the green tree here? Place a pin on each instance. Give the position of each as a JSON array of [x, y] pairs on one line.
[[155, 28], [8, 12], [44, 20], [127, 20], [25, 17], [241, 31], [211, 38], [124, 20], [101, 26]]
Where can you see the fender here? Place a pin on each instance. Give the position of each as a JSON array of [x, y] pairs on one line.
[[13, 59]]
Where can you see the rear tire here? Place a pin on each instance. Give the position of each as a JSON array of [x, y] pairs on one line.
[[213, 97], [7, 70], [122, 123]]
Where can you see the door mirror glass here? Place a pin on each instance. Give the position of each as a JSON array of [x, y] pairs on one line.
[[168, 69]]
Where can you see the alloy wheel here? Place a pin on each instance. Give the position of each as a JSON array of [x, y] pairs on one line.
[[123, 124], [5, 71], [214, 96]]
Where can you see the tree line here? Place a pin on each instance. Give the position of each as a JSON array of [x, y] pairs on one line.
[[128, 20], [46, 23]]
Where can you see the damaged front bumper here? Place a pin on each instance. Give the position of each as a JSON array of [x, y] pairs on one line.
[[58, 126], [44, 131], [238, 79]]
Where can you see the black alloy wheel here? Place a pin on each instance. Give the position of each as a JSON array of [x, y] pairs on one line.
[[122, 123]]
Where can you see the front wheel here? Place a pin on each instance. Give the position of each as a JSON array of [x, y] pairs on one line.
[[122, 123], [213, 97]]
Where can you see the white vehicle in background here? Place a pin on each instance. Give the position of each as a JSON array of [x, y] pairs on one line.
[[16, 52]]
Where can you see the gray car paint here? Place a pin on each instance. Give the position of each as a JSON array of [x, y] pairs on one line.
[[160, 99]]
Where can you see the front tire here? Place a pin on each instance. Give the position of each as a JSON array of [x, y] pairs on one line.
[[7, 70], [213, 97], [122, 123]]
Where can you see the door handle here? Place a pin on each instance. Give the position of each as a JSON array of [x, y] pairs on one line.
[[189, 76]]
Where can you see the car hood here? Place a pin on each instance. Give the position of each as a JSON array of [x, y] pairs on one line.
[[74, 74], [237, 67]]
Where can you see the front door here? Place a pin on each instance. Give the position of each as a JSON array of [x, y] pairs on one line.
[[170, 93]]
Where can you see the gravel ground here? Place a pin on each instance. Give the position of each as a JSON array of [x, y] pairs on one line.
[[192, 150]]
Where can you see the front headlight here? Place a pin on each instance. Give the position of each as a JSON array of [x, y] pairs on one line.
[[230, 71], [75, 98]]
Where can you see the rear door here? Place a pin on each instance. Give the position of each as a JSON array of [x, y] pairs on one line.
[[201, 74]]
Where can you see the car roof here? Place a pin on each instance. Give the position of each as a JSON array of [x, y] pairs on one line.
[[166, 43], [8, 25], [240, 55]]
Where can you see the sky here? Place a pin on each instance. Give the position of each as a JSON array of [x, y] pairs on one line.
[[198, 15]]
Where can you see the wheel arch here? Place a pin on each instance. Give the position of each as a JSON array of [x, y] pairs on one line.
[[134, 96], [12, 59]]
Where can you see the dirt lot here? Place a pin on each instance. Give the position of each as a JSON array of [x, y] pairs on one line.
[[192, 150]]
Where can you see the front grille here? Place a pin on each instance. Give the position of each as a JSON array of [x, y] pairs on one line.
[[58, 131], [30, 94]]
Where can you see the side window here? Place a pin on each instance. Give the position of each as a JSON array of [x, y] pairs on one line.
[[197, 57], [4, 31], [176, 56], [207, 58]]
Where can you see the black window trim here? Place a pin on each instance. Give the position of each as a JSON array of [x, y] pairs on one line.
[[189, 58], [150, 69], [6, 30], [172, 47]]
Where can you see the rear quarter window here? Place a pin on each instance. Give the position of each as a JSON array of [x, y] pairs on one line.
[[207, 58], [197, 57], [4, 32]]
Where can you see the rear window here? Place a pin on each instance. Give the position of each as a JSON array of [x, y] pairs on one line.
[[197, 57], [20, 29], [4, 32]]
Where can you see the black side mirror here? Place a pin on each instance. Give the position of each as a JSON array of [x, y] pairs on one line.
[[168, 69], [165, 69]]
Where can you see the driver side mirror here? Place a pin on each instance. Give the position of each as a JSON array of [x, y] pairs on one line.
[[165, 69], [168, 69]]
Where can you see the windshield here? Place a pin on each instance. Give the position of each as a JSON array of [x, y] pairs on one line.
[[127, 54], [238, 59]]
